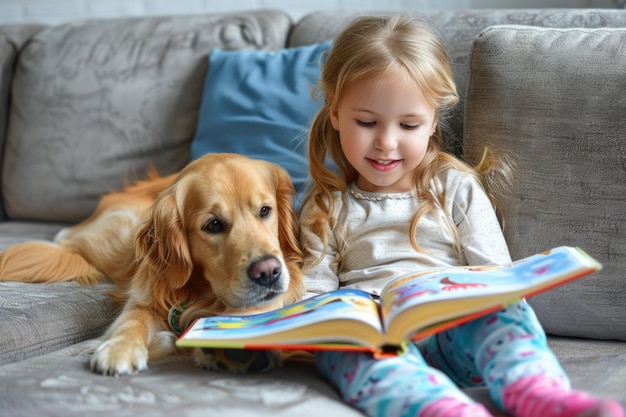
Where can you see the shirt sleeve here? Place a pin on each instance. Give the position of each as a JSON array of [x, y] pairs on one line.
[[319, 277], [478, 225]]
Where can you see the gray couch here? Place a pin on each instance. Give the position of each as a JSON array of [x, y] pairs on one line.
[[89, 105]]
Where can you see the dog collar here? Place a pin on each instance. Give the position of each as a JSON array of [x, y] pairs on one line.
[[173, 318]]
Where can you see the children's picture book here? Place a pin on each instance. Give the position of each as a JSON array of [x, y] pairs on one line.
[[410, 307]]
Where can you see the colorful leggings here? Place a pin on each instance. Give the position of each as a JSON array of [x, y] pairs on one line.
[[495, 351]]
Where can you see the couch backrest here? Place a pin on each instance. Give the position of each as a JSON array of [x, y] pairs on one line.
[[95, 104], [554, 98], [458, 30]]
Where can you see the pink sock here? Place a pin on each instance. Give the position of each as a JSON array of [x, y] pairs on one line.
[[542, 396], [451, 407]]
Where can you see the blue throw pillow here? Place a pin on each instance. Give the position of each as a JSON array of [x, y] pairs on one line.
[[259, 103]]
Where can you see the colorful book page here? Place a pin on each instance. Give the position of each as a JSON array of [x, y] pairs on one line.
[[341, 304]]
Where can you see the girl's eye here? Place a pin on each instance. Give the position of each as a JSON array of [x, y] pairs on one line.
[[409, 127], [265, 212], [365, 124]]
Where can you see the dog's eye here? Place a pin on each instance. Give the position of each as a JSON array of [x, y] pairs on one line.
[[265, 211], [213, 226]]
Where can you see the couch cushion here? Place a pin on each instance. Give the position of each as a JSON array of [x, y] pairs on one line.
[[97, 103], [260, 104], [555, 99], [60, 384], [41, 318], [12, 232]]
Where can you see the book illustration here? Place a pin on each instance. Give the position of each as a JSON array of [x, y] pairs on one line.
[[341, 303], [462, 282]]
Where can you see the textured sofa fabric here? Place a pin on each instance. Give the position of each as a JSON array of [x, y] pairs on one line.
[[37, 319], [47, 318], [555, 99], [97, 103], [174, 387], [60, 384], [90, 105], [12, 39]]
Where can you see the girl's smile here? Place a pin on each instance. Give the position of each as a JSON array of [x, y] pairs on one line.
[[383, 165]]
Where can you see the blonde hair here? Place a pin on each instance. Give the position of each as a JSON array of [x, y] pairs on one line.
[[371, 47]]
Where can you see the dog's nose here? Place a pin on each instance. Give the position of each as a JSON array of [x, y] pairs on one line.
[[265, 271]]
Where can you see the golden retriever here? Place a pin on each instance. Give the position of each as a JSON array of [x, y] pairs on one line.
[[220, 237]]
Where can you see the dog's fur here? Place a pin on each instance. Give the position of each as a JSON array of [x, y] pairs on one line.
[[218, 238]]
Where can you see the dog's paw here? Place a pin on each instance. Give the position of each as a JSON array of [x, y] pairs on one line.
[[119, 356], [237, 360]]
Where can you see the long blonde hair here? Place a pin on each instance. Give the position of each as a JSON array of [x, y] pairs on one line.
[[370, 47]]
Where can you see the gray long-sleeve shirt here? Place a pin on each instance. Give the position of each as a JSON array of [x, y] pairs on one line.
[[372, 243]]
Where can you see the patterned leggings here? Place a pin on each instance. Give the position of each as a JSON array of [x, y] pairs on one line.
[[495, 351]]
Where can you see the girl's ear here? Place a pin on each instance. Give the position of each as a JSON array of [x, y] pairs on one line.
[[333, 111], [334, 118]]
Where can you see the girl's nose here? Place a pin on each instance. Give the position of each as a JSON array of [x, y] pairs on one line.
[[385, 141]]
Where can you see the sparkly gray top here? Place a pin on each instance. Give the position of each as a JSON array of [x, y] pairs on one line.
[[371, 243]]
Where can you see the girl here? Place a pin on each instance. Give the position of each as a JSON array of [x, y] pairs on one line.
[[401, 203]]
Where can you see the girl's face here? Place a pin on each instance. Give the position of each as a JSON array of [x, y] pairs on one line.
[[384, 126]]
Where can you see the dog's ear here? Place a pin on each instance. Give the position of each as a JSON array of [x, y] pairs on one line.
[[288, 224], [162, 248]]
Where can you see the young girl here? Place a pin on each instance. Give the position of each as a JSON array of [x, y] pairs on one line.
[[401, 203]]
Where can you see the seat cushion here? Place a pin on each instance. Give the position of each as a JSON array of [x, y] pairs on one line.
[[41, 318], [175, 385], [61, 384]]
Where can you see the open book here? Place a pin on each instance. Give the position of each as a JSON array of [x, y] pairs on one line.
[[411, 307]]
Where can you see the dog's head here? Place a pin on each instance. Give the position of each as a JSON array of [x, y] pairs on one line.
[[223, 236]]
